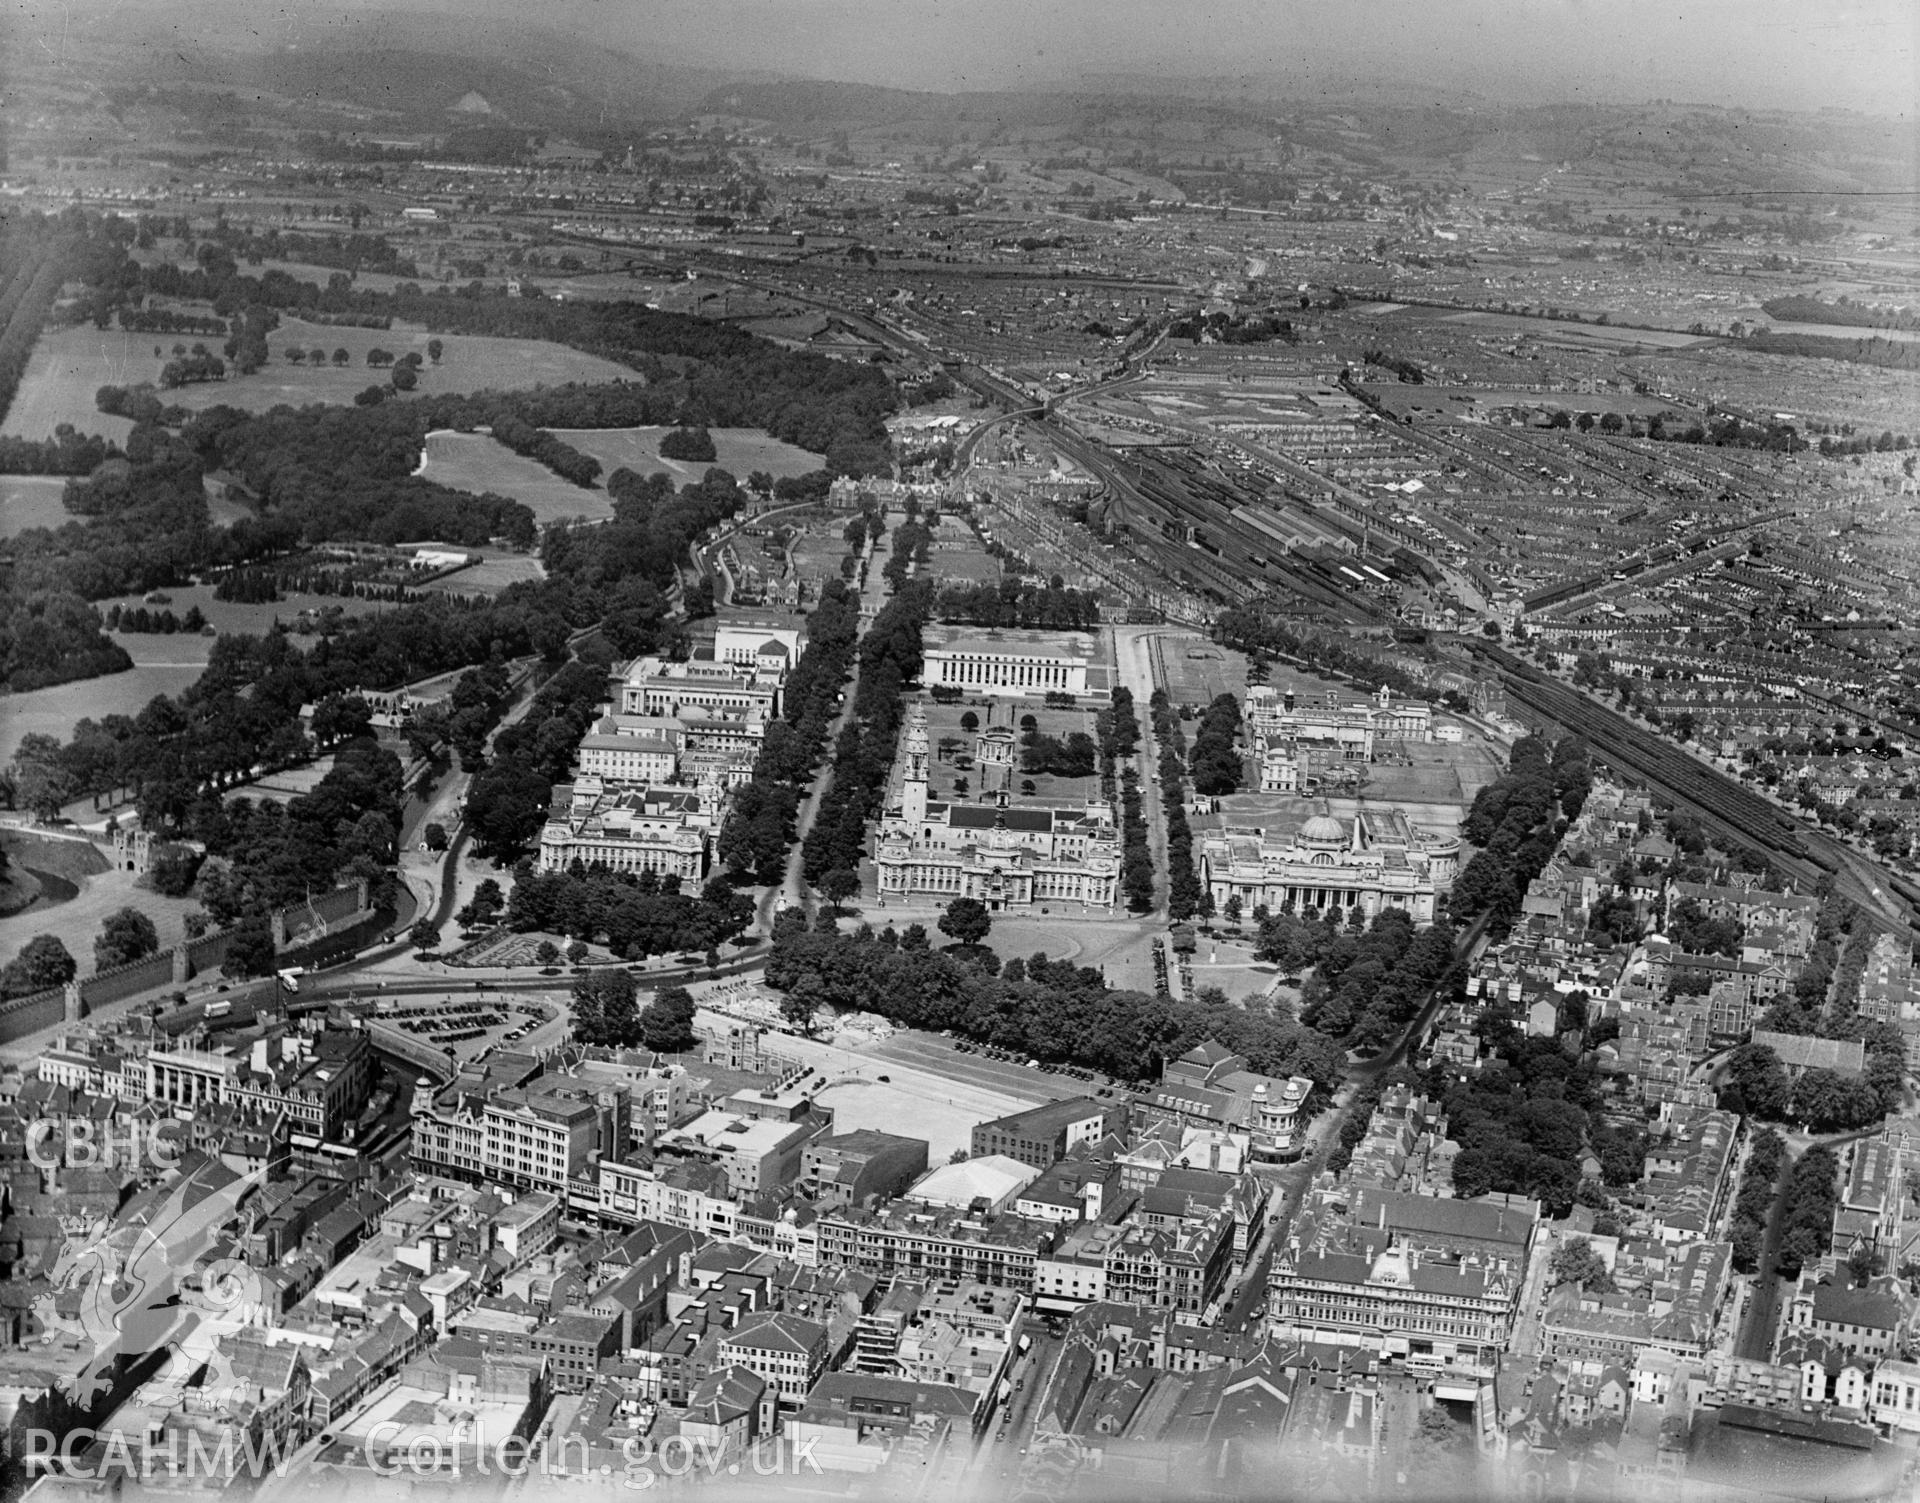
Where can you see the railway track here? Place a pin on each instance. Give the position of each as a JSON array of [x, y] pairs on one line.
[[1727, 806]]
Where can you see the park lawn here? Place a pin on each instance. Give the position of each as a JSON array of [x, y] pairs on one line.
[[31, 501], [739, 451], [69, 365], [478, 463], [223, 616], [54, 711], [490, 576], [77, 922]]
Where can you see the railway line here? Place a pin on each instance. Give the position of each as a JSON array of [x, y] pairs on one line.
[[1726, 806]]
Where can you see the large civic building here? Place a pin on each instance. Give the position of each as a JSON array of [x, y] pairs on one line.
[[1005, 857], [1381, 859], [1274, 718], [1008, 662], [632, 829]]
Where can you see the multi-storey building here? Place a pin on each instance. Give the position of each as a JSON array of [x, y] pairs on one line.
[[1211, 1087], [850, 1167], [665, 830], [1007, 857], [785, 1352], [318, 1081], [1271, 718], [1383, 860], [536, 1137], [937, 1244], [1178, 1267], [615, 753], [1357, 1285], [655, 686], [1007, 662], [1043, 1135]]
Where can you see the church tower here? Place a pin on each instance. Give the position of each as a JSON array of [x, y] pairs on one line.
[[913, 793]]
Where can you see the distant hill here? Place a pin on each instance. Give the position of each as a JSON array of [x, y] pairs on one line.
[[416, 67]]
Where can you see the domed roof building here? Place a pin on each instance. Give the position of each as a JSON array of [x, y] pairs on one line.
[[1381, 860]]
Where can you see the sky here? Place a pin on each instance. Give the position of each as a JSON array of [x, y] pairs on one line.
[[1857, 54], [1804, 53]]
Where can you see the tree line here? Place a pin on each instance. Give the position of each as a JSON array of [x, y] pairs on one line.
[[1185, 896], [68, 452], [890, 659], [700, 373], [1117, 733], [634, 914], [1253, 632], [1046, 1009], [761, 821], [1753, 1206], [1812, 1193], [1015, 602], [1517, 820], [162, 622], [1216, 761]]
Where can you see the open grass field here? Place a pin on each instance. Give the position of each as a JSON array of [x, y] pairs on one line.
[[478, 463], [31, 501], [54, 711], [739, 451], [66, 368], [78, 920], [69, 365], [490, 576]]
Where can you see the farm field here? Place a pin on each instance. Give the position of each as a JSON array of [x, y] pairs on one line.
[[477, 463], [69, 365], [31, 501], [739, 451]]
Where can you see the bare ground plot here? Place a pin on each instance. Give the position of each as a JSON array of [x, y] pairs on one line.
[[818, 555], [961, 563], [1195, 671], [31, 501], [69, 365], [478, 463], [738, 451], [939, 1107]]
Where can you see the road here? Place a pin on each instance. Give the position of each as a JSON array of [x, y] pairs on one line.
[[793, 891], [1763, 1310], [998, 1462]]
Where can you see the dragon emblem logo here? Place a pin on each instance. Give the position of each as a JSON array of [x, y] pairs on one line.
[[142, 1288]]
